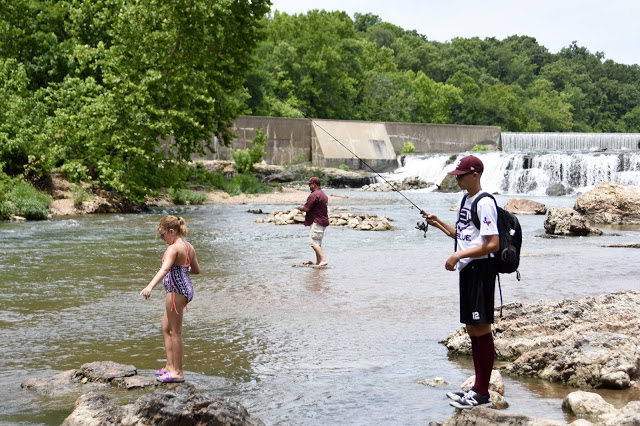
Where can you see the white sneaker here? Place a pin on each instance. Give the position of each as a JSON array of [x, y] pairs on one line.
[[471, 399]]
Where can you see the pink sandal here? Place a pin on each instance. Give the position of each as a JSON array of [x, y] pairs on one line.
[[161, 372], [168, 378]]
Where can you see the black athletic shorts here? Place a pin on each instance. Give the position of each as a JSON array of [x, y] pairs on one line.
[[477, 288]]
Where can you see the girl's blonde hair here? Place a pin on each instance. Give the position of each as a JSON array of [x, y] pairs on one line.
[[175, 223]]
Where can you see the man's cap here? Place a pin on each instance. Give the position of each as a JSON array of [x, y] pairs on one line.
[[468, 164], [315, 180]]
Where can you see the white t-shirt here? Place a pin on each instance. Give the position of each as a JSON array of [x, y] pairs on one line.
[[467, 233]]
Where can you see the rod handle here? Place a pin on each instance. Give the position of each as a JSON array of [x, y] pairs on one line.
[[442, 228]]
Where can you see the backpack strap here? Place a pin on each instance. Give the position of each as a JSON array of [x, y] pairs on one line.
[[455, 243], [476, 221], [474, 208]]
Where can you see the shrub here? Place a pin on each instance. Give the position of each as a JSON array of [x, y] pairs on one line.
[[308, 173], [184, 196], [5, 210], [477, 148], [250, 184], [29, 202], [408, 148], [343, 167], [246, 158], [79, 195]]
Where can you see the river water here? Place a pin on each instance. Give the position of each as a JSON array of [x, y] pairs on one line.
[[297, 346]]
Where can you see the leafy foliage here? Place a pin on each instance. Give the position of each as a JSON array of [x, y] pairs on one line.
[[28, 202], [246, 183], [121, 94], [246, 158], [408, 148], [110, 80], [184, 196], [325, 65]]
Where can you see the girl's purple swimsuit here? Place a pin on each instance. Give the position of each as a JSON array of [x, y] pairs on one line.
[[178, 280]]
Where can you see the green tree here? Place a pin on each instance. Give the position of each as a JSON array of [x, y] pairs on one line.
[[435, 100], [20, 120], [173, 70], [312, 63], [547, 109]]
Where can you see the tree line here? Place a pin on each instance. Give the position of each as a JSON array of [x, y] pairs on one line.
[[328, 65], [90, 89]]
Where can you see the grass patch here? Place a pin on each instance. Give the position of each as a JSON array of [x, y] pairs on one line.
[[5, 210], [28, 202], [185, 196], [246, 183], [408, 148], [80, 195]]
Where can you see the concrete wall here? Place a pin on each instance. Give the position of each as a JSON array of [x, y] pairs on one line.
[[442, 138], [288, 139], [300, 139], [342, 142]]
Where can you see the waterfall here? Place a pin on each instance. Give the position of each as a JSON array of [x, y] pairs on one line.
[[531, 174], [528, 142]]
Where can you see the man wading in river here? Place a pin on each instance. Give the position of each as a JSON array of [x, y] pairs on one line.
[[478, 271], [317, 217]]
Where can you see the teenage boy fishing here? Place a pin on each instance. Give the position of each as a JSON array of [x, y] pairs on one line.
[[474, 259]]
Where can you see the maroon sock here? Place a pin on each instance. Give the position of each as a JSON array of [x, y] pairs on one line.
[[485, 357], [474, 355]]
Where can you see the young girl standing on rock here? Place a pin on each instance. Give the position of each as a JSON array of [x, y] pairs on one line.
[[178, 262]]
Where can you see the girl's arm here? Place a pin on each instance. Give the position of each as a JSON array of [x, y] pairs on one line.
[[169, 258], [195, 268]]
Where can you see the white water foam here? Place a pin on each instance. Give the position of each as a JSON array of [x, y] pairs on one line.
[[530, 174]]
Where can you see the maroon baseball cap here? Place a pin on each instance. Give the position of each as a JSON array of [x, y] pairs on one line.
[[468, 164], [314, 180]]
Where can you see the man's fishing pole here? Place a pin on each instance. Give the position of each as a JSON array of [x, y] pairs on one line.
[[422, 226]]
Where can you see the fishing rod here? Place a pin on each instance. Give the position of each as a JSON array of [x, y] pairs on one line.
[[422, 226]]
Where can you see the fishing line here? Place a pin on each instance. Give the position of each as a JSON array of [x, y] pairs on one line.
[[422, 226], [365, 163]]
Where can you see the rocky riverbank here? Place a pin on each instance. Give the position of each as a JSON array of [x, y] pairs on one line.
[[170, 404], [588, 343], [358, 221]]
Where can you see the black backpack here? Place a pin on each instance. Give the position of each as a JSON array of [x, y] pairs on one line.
[[508, 255]]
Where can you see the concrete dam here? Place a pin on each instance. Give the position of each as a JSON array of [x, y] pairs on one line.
[[323, 142], [330, 143]]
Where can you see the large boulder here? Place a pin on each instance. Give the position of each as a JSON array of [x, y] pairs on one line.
[[483, 415], [522, 206], [609, 202], [182, 405], [556, 190], [407, 184], [565, 221], [449, 184], [333, 177], [592, 407], [588, 343], [91, 376]]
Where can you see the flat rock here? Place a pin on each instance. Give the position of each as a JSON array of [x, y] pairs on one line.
[[177, 405], [522, 206], [588, 343], [610, 203]]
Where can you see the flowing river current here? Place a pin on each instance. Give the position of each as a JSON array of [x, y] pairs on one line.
[[297, 346]]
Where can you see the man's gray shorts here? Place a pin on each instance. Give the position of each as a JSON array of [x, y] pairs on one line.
[[315, 234]]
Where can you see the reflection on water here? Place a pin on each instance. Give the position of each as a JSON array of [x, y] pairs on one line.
[[345, 345]]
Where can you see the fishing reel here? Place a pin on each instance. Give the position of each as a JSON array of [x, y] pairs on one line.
[[423, 226]]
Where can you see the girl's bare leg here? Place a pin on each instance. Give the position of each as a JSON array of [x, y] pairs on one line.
[[165, 337], [172, 333]]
